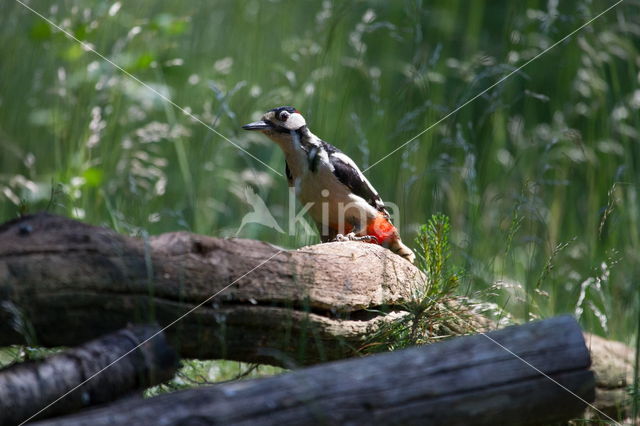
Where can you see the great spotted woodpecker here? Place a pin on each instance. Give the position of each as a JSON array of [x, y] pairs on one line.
[[342, 202]]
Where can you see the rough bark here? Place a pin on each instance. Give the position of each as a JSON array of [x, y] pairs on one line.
[[464, 381], [27, 388], [613, 365], [101, 281], [63, 282]]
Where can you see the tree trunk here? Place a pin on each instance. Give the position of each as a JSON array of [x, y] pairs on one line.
[[464, 381], [27, 388], [271, 306]]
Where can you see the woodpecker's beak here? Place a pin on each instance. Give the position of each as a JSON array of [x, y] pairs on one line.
[[257, 125]]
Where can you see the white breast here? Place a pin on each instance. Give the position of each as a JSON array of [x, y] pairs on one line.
[[330, 201]]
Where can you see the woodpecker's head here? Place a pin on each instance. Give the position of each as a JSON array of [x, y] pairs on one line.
[[280, 124]]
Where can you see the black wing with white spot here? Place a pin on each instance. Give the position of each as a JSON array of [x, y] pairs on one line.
[[350, 175]]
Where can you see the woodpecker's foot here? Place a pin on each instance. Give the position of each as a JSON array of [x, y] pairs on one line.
[[352, 237]]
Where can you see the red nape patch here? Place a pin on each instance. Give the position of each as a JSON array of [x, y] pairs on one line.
[[382, 229]]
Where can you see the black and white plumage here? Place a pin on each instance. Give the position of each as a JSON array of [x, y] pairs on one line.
[[338, 196], [350, 175]]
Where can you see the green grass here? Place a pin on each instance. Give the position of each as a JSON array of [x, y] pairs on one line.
[[539, 176], [195, 373]]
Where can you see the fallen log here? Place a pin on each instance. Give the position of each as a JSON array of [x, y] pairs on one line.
[[302, 307], [28, 388], [464, 381], [268, 300], [613, 364]]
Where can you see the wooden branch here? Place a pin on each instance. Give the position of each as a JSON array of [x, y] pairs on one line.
[[464, 381], [29, 387], [301, 306]]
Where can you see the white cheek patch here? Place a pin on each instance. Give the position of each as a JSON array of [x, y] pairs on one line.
[[295, 121]]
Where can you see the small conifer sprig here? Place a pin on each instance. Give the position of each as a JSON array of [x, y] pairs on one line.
[[432, 310]]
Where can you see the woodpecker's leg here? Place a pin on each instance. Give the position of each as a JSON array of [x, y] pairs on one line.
[[357, 229], [327, 234], [352, 237]]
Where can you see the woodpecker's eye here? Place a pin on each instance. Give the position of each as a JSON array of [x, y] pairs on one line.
[[283, 116]]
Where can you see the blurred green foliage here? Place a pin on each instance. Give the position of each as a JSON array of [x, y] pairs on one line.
[[539, 176]]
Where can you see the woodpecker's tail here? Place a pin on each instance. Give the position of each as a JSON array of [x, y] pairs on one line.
[[398, 247], [387, 236]]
